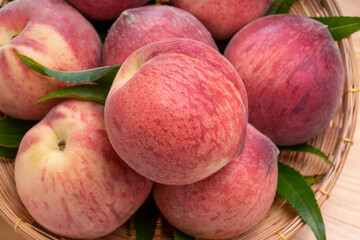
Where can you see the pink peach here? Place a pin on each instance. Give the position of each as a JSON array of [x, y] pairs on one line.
[[140, 26], [104, 10], [229, 202], [293, 74], [52, 33], [224, 18], [69, 177], [177, 111]]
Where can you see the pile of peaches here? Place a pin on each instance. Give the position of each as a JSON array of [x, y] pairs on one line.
[[196, 128]]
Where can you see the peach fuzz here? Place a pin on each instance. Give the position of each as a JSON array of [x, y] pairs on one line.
[[293, 73], [177, 111], [69, 177], [224, 18], [140, 26], [52, 33], [104, 10], [229, 202]]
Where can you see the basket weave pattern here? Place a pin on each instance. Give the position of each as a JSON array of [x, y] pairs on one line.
[[281, 221]]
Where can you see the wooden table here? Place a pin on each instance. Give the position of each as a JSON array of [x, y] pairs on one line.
[[341, 211]]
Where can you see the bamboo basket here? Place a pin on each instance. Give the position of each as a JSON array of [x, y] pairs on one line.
[[281, 222]]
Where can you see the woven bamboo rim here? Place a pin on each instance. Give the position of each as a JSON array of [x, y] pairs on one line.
[[281, 221]]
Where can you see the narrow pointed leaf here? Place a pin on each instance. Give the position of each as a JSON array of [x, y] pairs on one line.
[[95, 93], [313, 179], [280, 6], [32, 64], [145, 219], [9, 153], [13, 130], [306, 148], [101, 75], [131, 225], [340, 27], [274, 7], [294, 189], [179, 235], [108, 77]]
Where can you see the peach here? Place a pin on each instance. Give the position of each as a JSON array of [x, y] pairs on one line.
[[177, 111], [139, 26], [230, 201], [69, 177], [293, 74], [53, 34], [224, 18], [104, 10]]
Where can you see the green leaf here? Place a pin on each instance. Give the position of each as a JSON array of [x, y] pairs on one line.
[[32, 64], [95, 93], [108, 77], [340, 27], [179, 235], [145, 219], [274, 7], [131, 225], [101, 75], [306, 148], [13, 130], [280, 6], [9, 153], [313, 179], [294, 189]]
